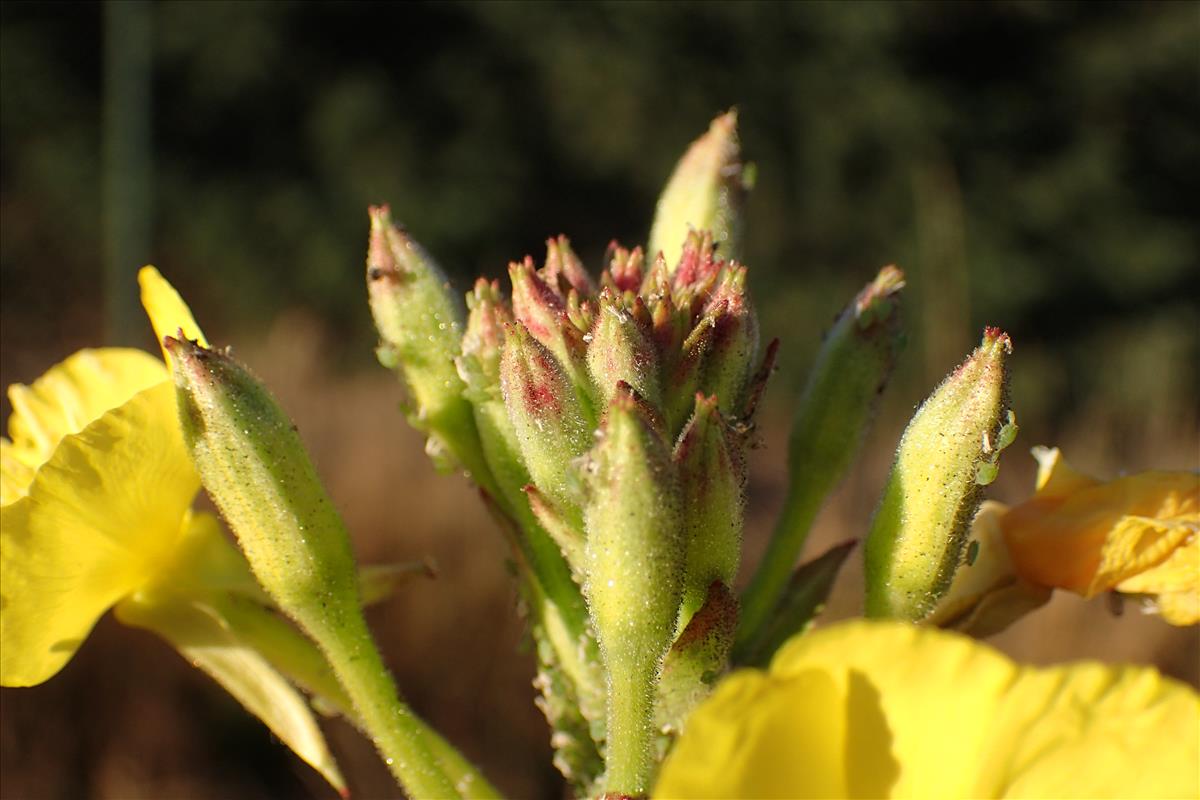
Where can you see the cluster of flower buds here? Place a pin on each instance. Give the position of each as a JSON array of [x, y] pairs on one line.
[[611, 420]]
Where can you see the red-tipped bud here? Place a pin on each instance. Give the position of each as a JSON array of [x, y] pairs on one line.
[[712, 475], [622, 350], [545, 412]]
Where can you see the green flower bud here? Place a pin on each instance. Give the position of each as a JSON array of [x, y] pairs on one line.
[[735, 341], [635, 559], [420, 323], [253, 464], [712, 476], [564, 270], [544, 313], [697, 659], [621, 349], [546, 416], [705, 191], [934, 489], [833, 415]]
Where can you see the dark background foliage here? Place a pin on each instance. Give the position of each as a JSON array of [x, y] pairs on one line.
[[1033, 165]]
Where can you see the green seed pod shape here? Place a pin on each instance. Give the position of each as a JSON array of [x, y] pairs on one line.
[[420, 324], [920, 529], [254, 466], [546, 415], [621, 350], [834, 413], [705, 191], [712, 477], [634, 562]]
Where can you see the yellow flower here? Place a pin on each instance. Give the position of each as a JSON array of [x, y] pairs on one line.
[[1136, 535], [889, 710], [96, 487]]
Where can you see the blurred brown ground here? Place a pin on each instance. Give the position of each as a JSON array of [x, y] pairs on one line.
[[128, 718]]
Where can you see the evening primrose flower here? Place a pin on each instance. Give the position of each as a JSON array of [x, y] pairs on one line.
[[95, 500], [1137, 535], [891, 710]]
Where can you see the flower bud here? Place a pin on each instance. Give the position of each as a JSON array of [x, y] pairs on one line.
[[622, 350], [253, 464], [544, 313], [635, 560], [730, 360], [832, 417], [625, 269], [711, 475], [564, 267], [705, 191], [419, 323], [696, 659], [546, 416], [947, 453]]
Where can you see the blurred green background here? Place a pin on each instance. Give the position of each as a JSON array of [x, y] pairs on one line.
[[1031, 165]]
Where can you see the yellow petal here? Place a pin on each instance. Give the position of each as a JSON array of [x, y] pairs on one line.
[[65, 400], [1057, 478], [168, 313], [1090, 539], [1175, 583], [205, 638], [100, 518], [15, 474], [919, 713]]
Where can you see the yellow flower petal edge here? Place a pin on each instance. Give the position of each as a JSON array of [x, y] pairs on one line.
[[884, 709], [166, 309], [65, 400], [1089, 537], [101, 517]]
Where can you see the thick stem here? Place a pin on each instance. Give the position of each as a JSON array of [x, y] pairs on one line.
[[400, 737], [630, 700]]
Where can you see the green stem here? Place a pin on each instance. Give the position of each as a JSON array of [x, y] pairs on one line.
[[775, 569], [400, 737], [627, 759], [296, 656]]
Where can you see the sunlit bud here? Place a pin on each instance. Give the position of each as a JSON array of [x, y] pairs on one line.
[[419, 324], [635, 561], [625, 269], [833, 415], [622, 350], [698, 265], [947, 453], [543, 312], [563, 269], [705, 192], [697, 659], [253, 464], [682, 378], [734, 349], [545, 412], [712, 476], [487, 316]]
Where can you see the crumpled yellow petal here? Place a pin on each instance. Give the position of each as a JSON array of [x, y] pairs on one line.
[[100, 518], [168, 313], [65, 400], [1090, 537], [911, 712]]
